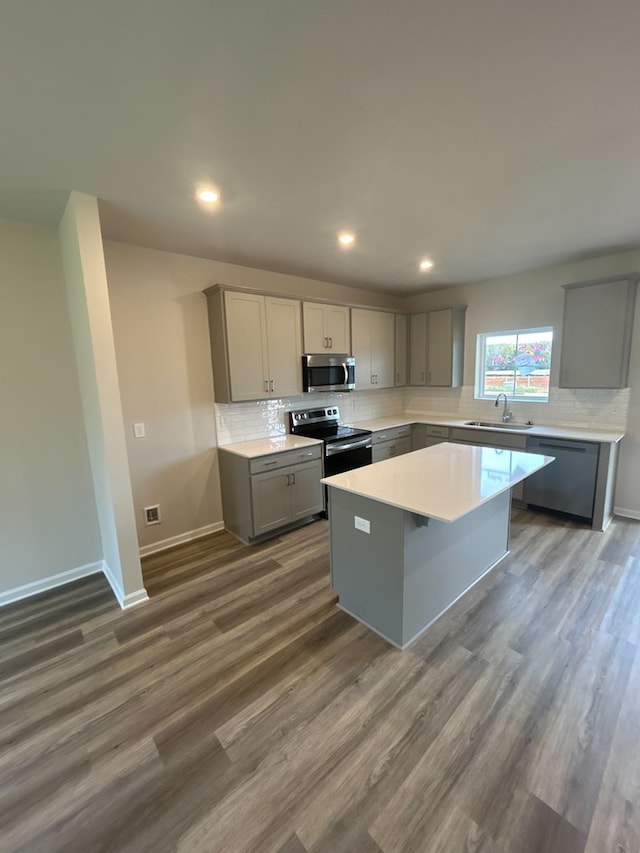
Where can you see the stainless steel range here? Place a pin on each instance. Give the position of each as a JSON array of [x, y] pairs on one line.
[[344, 447]]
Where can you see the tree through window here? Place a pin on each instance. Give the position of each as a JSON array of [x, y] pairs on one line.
[[517, 363]]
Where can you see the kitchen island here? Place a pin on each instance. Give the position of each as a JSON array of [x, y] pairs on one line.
[[411, 534]]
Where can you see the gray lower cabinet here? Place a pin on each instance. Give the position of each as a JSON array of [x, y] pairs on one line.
[[270, 493], [391, 442], [487, 438], [580, 482], [426, 435]]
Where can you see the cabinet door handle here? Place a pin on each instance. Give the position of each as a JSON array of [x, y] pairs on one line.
[[266, 385], [326, 343], [271, 384], [293, 479], [422, 376], [429, 377], [397, 378], [288, 479], [330, 343]]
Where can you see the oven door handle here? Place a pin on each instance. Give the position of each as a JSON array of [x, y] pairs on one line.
[[353, 445]]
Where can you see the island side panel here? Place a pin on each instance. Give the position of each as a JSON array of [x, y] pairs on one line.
[[367, 568], [443, 560]]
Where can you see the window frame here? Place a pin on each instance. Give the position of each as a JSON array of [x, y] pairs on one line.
[[481, 345]]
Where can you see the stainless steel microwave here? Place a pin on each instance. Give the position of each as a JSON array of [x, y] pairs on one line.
[[321, 372]]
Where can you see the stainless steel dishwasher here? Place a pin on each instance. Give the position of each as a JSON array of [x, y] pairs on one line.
[[568, 484]]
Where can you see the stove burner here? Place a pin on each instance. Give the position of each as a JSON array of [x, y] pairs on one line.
[[323, 424]]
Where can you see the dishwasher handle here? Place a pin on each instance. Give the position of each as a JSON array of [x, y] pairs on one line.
[[562, 447]]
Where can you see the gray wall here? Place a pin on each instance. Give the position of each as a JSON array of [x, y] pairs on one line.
[[48, 521], [162, 345], [86, 286]]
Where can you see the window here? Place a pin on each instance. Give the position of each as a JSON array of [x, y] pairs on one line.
[[516, 363]]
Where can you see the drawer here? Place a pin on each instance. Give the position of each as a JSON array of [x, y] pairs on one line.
[[437, 431], [489, 438], [392, 434], [285, 458]]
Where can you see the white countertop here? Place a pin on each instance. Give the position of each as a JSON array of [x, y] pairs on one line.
[[537, 429], [265, 446], [443, 482]]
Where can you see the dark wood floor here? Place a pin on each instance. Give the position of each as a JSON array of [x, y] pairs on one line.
[[240, 710]]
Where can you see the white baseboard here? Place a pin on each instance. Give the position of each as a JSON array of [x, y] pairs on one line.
[[113, 582], [133, 598], [128, 600], [626, 513], [181, 538], [36, 587]]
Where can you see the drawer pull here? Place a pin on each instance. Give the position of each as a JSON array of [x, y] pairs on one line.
[[273, 462]]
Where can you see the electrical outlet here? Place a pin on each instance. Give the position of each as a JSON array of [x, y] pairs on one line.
[[362, 524], [152, 514], [138, 431]]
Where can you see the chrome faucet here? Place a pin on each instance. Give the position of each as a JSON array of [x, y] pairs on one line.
[[506, 414]]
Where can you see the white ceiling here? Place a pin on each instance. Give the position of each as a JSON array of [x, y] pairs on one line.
[[492, 135]]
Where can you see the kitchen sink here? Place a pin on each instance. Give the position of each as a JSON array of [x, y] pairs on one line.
[[498, 425]]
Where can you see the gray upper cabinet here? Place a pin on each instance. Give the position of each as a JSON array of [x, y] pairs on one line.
[[596, 333], [436, 348], [326, 328], [445, 347], [401, 350], [417, 349], [372, 334], [256, 345]]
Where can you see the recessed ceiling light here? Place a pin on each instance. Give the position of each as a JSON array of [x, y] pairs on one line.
[[346, 238], [425, 265], [208, 195]]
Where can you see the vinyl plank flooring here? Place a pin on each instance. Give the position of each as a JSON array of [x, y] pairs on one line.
[[241, 710]]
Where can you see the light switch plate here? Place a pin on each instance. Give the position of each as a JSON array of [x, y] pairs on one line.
[[138, 430], [362, 524]]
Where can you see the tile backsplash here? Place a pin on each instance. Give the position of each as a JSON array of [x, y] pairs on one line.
[[598, 409], [264, 418], [579, 408]]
